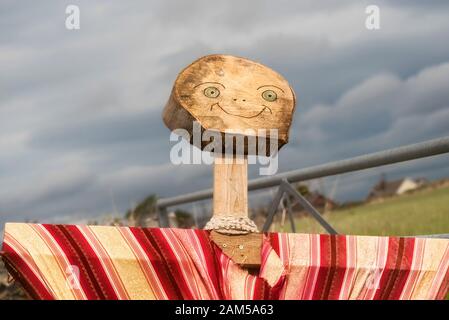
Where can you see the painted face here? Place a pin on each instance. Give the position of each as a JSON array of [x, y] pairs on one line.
[[227, 93]]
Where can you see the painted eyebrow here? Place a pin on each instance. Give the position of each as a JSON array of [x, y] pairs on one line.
[[270, 85], [211, 83]]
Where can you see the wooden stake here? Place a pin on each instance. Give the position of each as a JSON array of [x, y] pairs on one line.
[[230, 186], [231, 199]]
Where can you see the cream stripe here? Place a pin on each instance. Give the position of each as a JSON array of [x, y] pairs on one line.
[[351, 258], [273, 268], [105, 262], [124, 261], [224, 263], [315, 260], [440, 274], [366, 270], [252, 288], [144, 263], [235, 279], [415, 269], [299, 267], [379, 269], [247, 294], [43, 257], [432, 257], [286, 259], [61, 258], [28, 259]]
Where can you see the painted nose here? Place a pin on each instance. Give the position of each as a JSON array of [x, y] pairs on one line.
[[235, 99]]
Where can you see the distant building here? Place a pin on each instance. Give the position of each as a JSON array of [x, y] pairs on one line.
[[386, 188]]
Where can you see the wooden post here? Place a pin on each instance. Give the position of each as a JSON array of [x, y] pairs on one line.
[[230, 186], [231, 199]]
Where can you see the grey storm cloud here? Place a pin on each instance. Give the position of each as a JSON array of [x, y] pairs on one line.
[[81, 133]]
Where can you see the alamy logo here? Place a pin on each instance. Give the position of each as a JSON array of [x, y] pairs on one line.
[[373, 279], [73, 277], [72, 21], [372, 21], [257, 144]]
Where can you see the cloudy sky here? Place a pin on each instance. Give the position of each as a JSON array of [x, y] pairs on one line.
[[80, 110]]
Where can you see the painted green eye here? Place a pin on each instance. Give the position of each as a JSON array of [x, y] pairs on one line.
[[211, 92], [269, 95]]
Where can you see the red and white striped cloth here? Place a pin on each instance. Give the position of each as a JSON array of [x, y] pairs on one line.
[[95, 262]]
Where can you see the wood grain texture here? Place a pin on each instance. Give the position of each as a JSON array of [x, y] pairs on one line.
[[232, 95], [230, 187], [242, 249], [231, 199]]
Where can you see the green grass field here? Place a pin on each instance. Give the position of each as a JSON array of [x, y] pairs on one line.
[[420, 213]]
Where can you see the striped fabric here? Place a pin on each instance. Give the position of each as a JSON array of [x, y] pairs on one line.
[[95, 262]]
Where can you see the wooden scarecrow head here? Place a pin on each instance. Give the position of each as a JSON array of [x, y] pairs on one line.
[[232, 95]]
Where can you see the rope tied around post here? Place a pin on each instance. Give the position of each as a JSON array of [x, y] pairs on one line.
[[231, 225]]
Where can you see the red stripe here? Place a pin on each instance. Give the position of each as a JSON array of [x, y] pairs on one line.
[[393, 244], [274, 241], [212, 265], [174, 276], [324, 267], [331, 267], [444, 288], [170, 262], [223, 263], [276, 290], [143, 236], [403, 272], [261, 290], [395, 252], [339, 268], [189, 263], [91, 261], [20, 270], [330, 264], [75, 255]]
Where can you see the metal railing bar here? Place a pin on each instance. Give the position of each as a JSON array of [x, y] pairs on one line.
[[439, 236], [376, 159], [290, 214], [308, 207], [273, 208], [163, 217]]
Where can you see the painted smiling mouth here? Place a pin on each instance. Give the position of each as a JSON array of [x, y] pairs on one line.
[[239, 115]]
